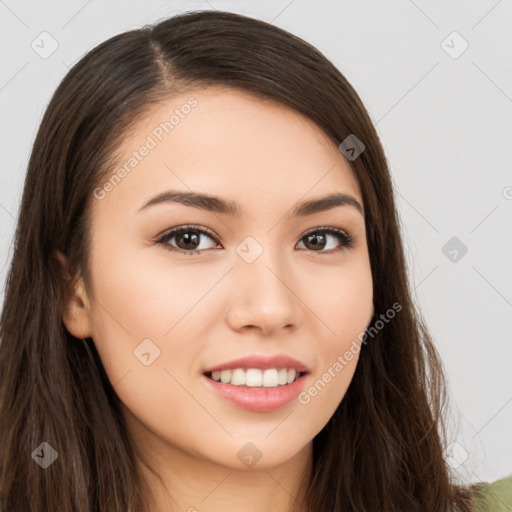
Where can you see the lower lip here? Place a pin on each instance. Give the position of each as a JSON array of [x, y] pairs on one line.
[[258, 399]]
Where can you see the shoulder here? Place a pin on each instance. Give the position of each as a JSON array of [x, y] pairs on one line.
[[493, 497]]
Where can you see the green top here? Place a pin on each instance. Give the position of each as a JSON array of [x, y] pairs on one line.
[[495, 497]]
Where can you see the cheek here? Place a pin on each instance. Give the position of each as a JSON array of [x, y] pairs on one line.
[[150, 297], [343, 301], [144, 312], [148, 336], [341, 297], [325, 390]]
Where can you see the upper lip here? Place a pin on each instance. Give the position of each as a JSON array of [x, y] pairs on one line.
[[261, 362]]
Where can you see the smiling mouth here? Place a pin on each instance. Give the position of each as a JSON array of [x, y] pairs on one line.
[[255, 377]]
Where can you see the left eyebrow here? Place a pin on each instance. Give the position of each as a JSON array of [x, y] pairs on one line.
[[231, 208], [327, 203]]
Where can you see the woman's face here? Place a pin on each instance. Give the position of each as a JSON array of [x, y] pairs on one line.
[[253, 286]]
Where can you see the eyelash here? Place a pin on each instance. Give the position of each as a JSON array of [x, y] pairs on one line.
[[346, 240]]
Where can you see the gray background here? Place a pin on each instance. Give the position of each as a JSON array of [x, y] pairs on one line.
[[445, 123]]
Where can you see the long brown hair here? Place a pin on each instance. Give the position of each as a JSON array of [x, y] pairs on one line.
[[382, 450]]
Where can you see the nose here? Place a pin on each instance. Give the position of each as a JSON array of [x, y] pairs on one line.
[[264, 295]]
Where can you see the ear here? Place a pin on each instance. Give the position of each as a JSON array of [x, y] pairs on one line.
[[76, 314]]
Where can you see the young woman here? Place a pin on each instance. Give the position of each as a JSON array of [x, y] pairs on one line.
[[208, 305]]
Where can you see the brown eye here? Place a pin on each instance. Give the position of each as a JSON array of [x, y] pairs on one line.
[[186, 239], [189, 240], [317, 240]]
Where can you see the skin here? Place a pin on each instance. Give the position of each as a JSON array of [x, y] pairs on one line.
[[208, 308]]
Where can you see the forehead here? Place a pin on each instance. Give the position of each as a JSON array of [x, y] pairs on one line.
[[230, 143]]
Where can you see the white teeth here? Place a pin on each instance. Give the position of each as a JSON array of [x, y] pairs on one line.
[[253, 377], [270, 378], [238, 377]]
